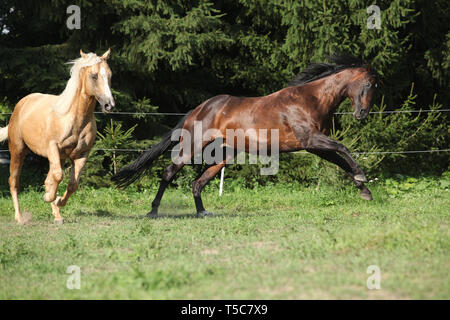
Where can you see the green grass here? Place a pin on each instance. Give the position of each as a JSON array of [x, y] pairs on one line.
[[274, 242]]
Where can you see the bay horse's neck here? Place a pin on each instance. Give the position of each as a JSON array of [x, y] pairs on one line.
[[331, 91], [328, 92]]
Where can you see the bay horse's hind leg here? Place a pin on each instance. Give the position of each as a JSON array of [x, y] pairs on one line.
[[77, 167], [169, 173], [198, 185], [18, 152], [167, 177]]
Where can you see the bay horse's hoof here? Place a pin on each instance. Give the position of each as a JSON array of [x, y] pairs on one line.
[[360, 177], [203, 214], [366, 196], [152, 215], [59, 221]]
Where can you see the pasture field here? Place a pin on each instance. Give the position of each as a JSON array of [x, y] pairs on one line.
[[272, 242]]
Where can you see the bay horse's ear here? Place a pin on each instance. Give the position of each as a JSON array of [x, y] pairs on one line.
[[82, 54], [106, 54]]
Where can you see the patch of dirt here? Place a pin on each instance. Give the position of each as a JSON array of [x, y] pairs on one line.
[[26, 218], [210, 252], [383, 294], [277, 290], [272, 246]]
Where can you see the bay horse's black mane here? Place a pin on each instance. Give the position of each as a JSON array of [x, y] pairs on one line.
[[319, 70]]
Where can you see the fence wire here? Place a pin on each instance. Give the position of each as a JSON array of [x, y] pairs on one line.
[[336, 113], [296, 152], [183, 114]]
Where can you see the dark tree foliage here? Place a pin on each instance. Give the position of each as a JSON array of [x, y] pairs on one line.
[[170, 55]]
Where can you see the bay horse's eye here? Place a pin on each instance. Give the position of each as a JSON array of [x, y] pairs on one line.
[[94, 76]]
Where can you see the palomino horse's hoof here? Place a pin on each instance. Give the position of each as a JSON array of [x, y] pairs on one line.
[[366, 196], [204, 213], [59, 221], [57, 201], [360, 177], [24, 219]]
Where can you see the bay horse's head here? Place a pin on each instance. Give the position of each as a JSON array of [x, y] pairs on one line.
[[352, 78], [97, 80], [361, 89]]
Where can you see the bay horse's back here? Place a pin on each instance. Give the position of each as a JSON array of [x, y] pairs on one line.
[[208, 112]]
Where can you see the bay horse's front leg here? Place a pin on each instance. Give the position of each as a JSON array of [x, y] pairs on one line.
[[333, 157], [320, 142], [77, 167]]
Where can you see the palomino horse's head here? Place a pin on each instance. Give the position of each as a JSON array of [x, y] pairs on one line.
[[360, 91], [97, 81]]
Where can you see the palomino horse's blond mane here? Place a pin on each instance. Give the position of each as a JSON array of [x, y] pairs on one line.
[[65, 99]]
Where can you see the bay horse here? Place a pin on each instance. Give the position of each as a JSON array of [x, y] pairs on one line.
[[59, 128], [301, 113]]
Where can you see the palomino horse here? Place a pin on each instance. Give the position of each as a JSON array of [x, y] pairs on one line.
[[59, 128], [300, 112]]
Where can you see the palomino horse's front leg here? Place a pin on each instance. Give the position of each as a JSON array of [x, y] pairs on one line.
[[54, 176], [55, 173], [77, 167]]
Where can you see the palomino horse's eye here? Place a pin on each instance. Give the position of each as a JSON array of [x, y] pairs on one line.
[[94, 76]]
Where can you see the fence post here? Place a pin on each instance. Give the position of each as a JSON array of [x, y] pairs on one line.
[[222, 172]]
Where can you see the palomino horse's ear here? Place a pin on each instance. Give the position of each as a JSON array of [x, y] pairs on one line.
[[82, 54], [106, 54]]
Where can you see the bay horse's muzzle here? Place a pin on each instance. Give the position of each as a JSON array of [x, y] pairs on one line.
[[361, 113]]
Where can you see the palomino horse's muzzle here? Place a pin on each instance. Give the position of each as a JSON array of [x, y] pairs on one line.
[[106, 103]]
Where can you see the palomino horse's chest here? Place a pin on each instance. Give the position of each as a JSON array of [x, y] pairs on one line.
[[77, 141]]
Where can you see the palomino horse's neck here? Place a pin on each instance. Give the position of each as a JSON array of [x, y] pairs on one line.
[[82, 106]]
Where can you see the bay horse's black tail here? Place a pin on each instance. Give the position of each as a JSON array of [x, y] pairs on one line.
[[135, 170]]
